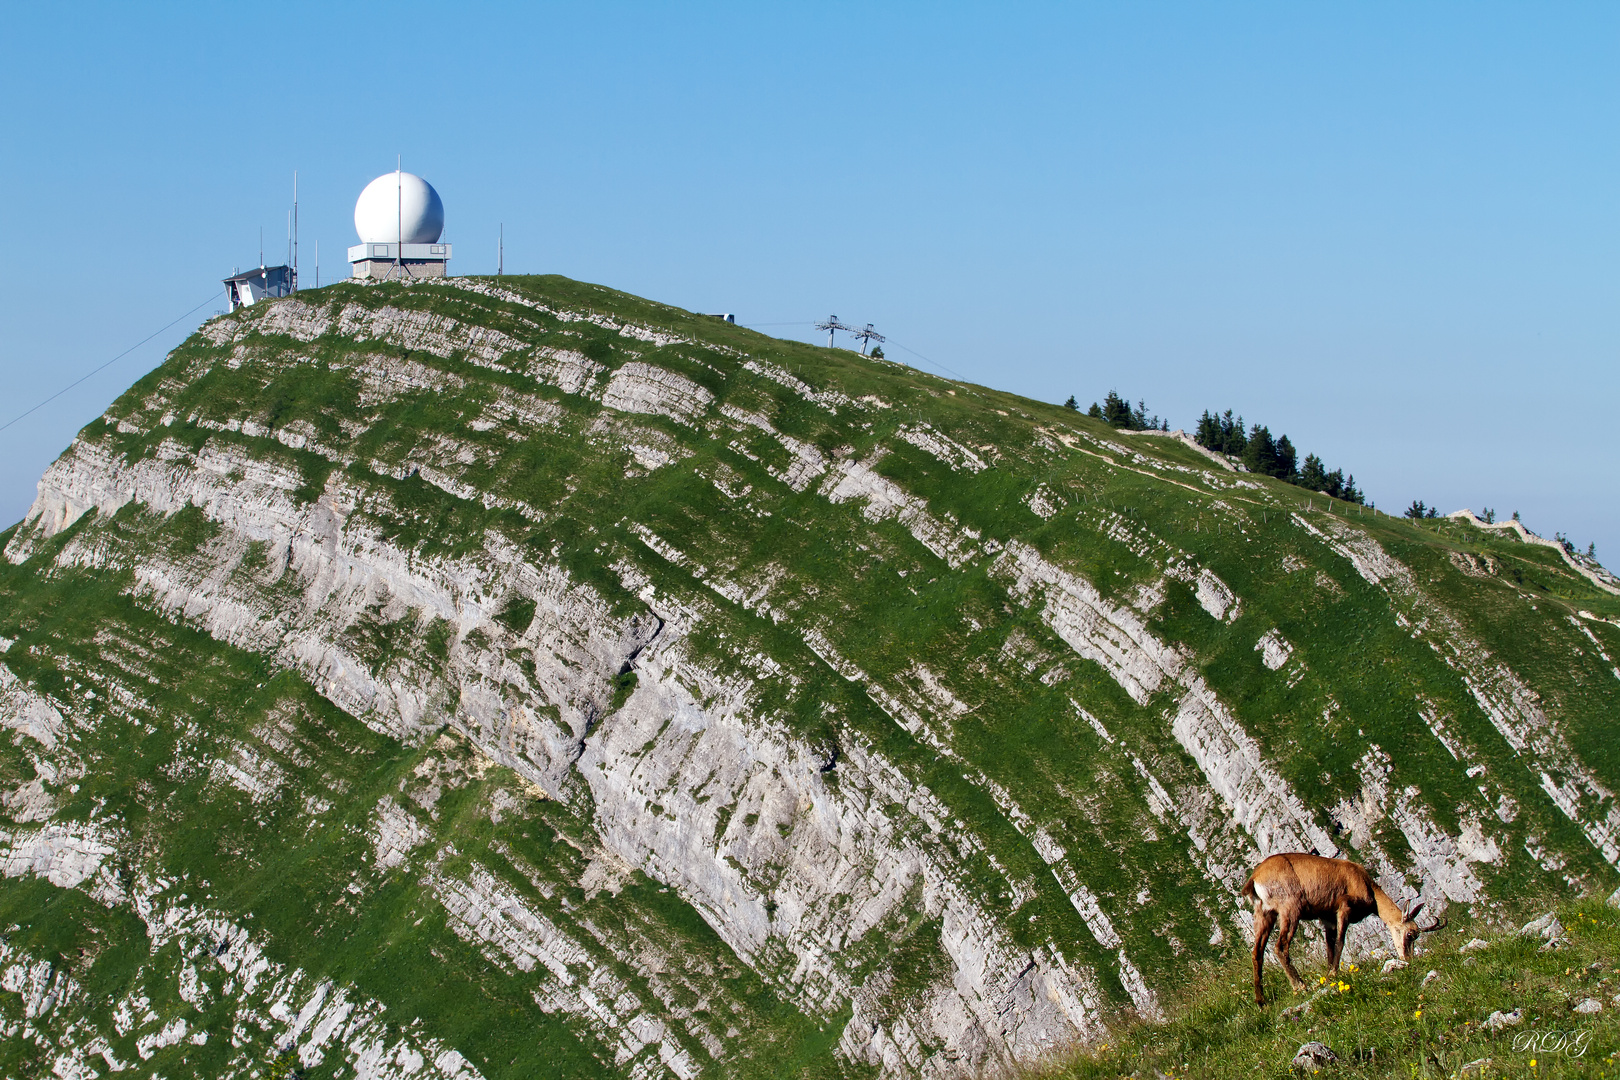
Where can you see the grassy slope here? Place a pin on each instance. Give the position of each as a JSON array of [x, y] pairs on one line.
[[1363, 672], [1396, 1024]]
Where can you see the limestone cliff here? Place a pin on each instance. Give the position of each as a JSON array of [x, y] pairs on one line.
[[475, 678]]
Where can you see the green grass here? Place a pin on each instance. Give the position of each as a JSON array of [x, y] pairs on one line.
[[1390, 1025], [435, 472]]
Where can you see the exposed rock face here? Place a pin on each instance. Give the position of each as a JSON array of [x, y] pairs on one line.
[[671, 689]]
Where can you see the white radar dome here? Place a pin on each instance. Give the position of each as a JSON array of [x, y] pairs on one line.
[[399, 207]]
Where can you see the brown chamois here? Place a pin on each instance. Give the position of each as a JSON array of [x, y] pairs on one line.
[[1288, 888]]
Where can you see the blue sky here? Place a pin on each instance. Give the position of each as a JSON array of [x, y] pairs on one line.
[[1388, 230]]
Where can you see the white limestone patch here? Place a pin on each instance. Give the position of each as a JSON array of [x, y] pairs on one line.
[[1115, 637], [437, 334], [1274, 649], [28, 712], [687, 741], [1042, 502], [884, 499], [1215, 597], [644, 388], [250, 771], [65, 855], [1260, 799], [808, 462], [389, 378], [830, 400], [395, 833], [570, 371], [932, 441]]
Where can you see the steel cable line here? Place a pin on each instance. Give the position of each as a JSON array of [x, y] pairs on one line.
[[212, 297]]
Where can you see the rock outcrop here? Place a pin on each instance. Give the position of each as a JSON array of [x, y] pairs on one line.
[[708, 703]]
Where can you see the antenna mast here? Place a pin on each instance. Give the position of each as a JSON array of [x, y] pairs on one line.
[[399, 216], [295, 231], [831, 325], [866, 336], [500, 258]]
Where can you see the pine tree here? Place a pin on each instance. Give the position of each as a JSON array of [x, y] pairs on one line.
[[1260, 453], [1116, 410], [1287, 459], [1417, 510], [1314, 474], [1072, 404], [1233, 440], [1095, 412], [1489, 516], [1209, 432]]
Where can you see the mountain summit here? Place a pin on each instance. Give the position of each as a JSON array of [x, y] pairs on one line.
[[515, 678]]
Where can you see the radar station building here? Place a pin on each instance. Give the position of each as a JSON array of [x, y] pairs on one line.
[[400, 219]]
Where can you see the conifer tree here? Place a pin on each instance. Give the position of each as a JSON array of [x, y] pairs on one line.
[[1260, 453], [1072, 404], [1116, 410], [1286, 460], [1314, 474], [1233, 440], [1095, 412], [1209, 432]]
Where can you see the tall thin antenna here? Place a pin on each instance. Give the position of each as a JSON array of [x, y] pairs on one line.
[[399, 215], [289, 238], [317, 264], [831, 325], [261, 247], [500, 257], [295, 231]]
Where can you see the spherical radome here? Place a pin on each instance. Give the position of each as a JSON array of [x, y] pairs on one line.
[[399, 208]]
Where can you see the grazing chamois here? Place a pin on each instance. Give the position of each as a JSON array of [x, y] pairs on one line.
[[1295, 886]]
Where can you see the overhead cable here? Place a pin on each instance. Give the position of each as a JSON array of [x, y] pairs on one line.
[[211, 298]]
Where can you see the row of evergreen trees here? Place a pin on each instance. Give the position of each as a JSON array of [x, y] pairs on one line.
[[1228, 434], [1118, 413], [1262, 453]]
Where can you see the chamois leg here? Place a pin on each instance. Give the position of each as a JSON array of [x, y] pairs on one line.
[[1341, 931], [1285, 938], [1263, 922], [1333, 943]]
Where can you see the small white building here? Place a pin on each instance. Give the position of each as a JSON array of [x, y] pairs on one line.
[[244, 290]]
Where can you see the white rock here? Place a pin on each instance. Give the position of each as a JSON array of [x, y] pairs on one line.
[[1393, 965], [1314, 1055], [1589, 1007], [1499, 1020]]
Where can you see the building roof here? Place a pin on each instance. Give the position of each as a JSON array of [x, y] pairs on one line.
[[257, 271]]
